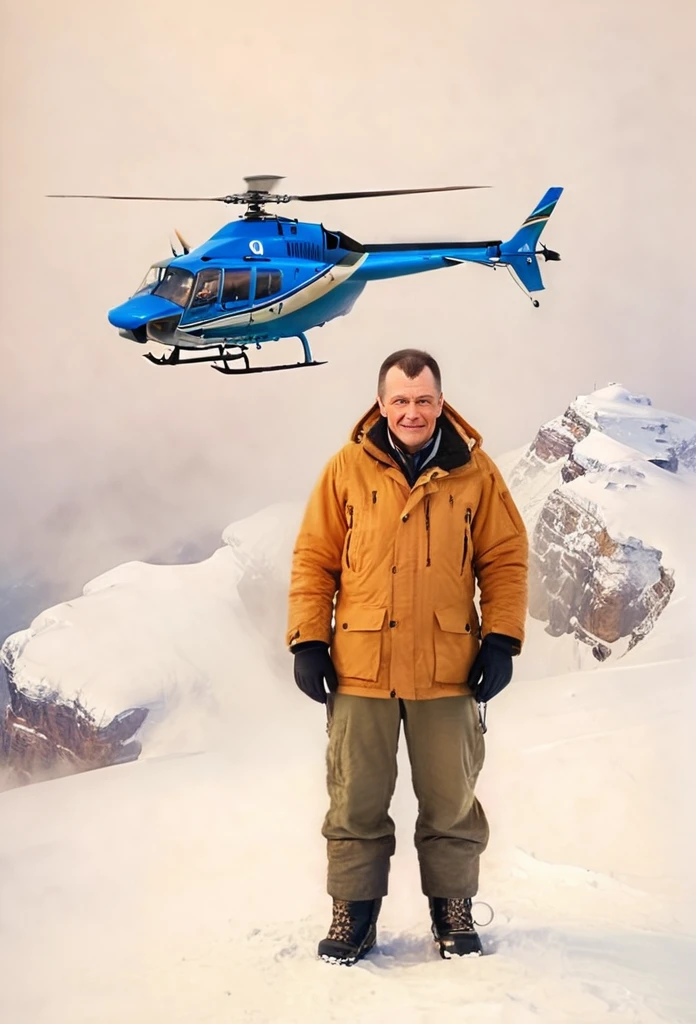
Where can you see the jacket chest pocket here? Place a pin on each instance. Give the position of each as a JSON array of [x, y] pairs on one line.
[[455, 644], [362, 533], [356, 648], [467, 553]]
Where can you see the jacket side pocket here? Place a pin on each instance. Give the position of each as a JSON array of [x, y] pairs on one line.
[[455, 644], [356, 649]]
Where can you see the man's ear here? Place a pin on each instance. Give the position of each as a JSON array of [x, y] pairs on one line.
[[442, 402], [382, 407]]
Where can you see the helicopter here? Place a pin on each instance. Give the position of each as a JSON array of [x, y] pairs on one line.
[[264, 277]]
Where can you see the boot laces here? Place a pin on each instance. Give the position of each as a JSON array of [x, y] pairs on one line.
[[459, 915]]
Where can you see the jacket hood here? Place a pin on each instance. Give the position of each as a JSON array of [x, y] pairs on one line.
[[469, 435]]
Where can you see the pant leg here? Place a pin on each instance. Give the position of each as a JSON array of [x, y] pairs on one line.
[[446, 750], [361, 776]]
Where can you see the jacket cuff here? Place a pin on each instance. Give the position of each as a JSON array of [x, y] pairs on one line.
[[308, 645], [313, 629]]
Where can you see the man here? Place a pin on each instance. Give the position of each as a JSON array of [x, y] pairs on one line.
[[402, 521]]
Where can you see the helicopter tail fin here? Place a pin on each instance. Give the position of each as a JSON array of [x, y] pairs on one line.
[[526, 238], [520, 252]]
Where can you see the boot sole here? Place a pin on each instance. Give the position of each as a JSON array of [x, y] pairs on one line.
[[447, 944], [349, 960], [447, 954]]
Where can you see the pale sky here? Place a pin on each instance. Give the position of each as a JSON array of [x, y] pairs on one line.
[[103, 456]]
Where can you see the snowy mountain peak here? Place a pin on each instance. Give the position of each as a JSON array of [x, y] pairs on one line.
[[607, 492], [633, 421], [610, 532]]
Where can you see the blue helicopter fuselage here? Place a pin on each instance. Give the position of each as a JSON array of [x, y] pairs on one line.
[[266, 278]]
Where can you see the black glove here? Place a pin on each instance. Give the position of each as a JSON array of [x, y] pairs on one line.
[[492, 669], [313, 665]]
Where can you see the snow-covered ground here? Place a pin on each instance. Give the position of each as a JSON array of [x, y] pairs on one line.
[[189, 886]]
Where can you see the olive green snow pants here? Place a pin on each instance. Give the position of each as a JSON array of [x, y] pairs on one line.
[[446, 750]]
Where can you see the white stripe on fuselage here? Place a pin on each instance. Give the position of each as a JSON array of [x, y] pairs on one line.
[[314, 289]]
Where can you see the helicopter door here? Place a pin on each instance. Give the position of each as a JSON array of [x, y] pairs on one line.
[[236, 290], [268, 282], [205, 295]]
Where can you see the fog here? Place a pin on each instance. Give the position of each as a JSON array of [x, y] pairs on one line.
[[105, 457]]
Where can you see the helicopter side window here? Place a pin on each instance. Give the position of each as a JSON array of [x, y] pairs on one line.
[[268, 282], [176, 286], [236, 286], [207, 287]]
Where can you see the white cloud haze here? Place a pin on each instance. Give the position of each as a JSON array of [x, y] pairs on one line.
[[105, 457]]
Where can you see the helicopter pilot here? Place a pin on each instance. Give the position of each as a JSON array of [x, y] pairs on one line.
[[207, 292]]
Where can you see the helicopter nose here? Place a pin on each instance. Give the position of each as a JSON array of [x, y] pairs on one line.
[[140, 310]]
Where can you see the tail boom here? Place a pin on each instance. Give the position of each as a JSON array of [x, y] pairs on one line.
[[519, 254]]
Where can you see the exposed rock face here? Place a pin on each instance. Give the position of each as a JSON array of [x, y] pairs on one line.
[[585, 582], [557, 438], [685, 452], [572, 468], [588, 577], [42, 736], [578, 463]]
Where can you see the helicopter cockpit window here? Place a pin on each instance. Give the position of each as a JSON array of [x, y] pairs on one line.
[[207, 287], [153, 276], [176, 286], [236, 285], [267, 283]]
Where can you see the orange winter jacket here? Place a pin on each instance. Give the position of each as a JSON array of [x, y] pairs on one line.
[[385, 573]]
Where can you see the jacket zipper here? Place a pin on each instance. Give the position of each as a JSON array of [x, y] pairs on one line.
[[427, 529], [467, 524], [349, 509]]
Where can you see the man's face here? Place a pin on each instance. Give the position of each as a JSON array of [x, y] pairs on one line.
[[412, 406]]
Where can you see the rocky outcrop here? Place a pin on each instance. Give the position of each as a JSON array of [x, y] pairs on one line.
[[44, 736], [610, 459], [685, 453], [621, 474], [557, 438], [586, 582]]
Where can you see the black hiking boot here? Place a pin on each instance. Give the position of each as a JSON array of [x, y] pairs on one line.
[[453, 928], [352, 933]]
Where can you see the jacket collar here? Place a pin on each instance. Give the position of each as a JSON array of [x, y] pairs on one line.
[[412, 463], [457, 442]]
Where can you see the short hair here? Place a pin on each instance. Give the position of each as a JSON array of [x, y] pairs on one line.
[[412, 361]]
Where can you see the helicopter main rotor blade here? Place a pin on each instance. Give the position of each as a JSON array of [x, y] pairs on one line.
[[387, 192], [164, 199], [261, 197]]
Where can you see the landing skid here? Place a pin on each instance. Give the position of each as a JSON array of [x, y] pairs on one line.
[[267, 369], [226, 357]]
